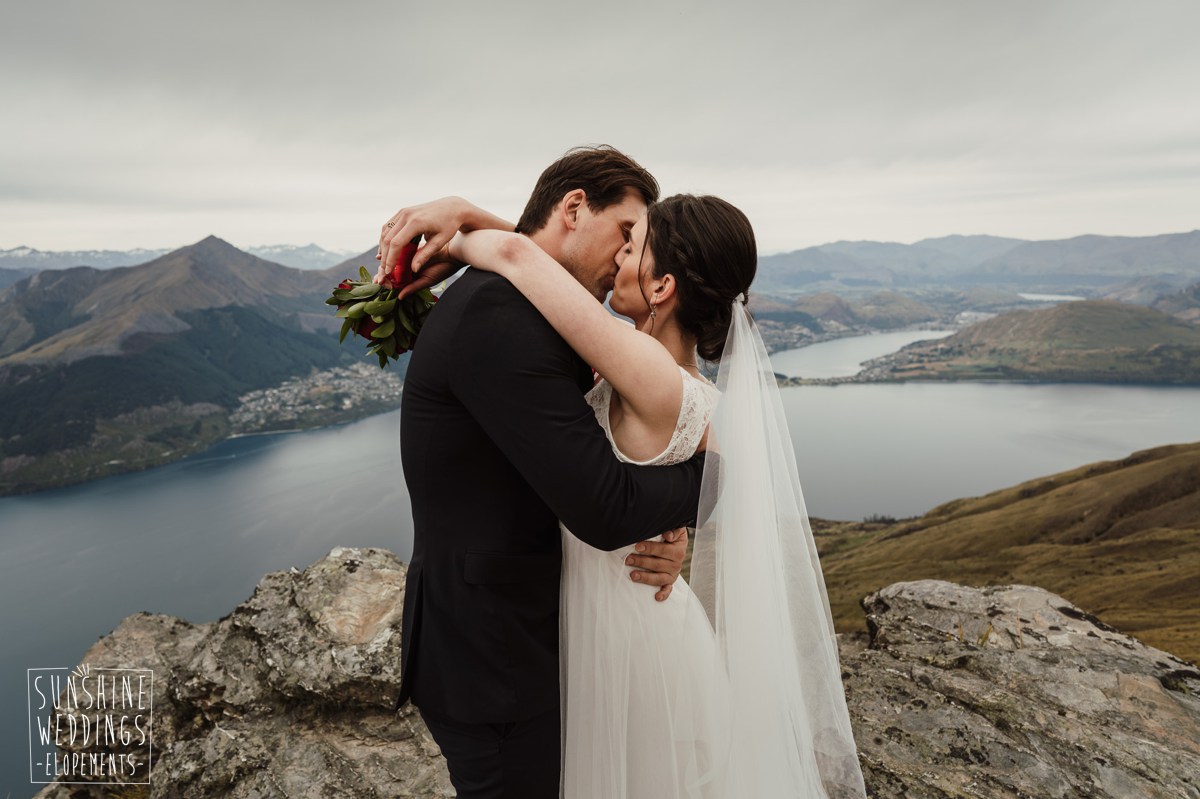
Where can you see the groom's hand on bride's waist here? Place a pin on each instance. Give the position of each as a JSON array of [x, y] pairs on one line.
[[659, 563]]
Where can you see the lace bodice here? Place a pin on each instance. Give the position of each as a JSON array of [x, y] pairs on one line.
[[699, 399]]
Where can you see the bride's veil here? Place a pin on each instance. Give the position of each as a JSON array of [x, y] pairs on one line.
[[755, 569]]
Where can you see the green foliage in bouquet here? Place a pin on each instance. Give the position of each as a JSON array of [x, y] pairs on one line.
[[389, 324]]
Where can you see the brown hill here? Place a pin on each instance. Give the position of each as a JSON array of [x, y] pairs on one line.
[[828, 308], [1141, 291], [63, 316], [1087, 325], [1091, 341], [880, 311], [1184, 304], [1120, 539], [890, 309]]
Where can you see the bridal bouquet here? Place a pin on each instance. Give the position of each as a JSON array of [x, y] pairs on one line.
[[389, 324]]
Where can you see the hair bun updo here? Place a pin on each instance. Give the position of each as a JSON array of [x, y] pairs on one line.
[[708, 246]]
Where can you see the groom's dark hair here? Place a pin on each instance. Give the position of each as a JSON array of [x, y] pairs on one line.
[[603, 172]]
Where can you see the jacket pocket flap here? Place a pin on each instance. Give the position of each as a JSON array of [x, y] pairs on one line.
[[492, 568]]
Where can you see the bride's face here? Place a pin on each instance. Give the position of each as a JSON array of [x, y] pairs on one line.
[[627, 298]]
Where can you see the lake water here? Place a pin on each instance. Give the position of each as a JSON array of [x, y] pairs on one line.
[[843, 357], [1051, 297], [193, 538]]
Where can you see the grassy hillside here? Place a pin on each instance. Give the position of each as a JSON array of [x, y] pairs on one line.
[[1120, 539], [885, 310], [881, 310], [1093, 341]]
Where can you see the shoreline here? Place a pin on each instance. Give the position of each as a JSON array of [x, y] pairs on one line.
[[166, 459], [180, 454]]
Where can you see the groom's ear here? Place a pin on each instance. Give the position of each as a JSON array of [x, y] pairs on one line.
[[572, 203]]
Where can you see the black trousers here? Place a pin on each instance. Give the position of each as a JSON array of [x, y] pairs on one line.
[[515, 760]]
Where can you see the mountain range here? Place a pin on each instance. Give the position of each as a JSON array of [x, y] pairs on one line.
[[103, 370], [1083, 262], [69, 314], [27, 259], [1089, 262]]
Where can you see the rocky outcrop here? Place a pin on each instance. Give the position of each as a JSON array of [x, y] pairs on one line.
[[1013, 692], [956, 692], [290, 695]]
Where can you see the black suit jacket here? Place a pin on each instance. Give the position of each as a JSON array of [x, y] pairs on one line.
[[498, 444]]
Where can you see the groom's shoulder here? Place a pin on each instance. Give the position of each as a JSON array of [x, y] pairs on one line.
[[482, 312], [476, 281], [477, 292], [476, 286]]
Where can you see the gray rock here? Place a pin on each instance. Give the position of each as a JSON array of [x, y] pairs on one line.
[[290, 695], [957, 692], [1013, 692]]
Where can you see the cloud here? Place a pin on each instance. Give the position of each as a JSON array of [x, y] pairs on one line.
[[153, 124]]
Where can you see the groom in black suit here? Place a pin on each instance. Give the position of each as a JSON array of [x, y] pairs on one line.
[[499, 445]]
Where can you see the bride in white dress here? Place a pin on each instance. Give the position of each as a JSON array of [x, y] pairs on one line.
[[628, 667], [733, 689]]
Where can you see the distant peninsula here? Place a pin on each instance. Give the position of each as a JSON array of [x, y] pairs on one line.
[[1094, 341]]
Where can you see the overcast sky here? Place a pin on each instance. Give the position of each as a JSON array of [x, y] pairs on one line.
[[156, 123]]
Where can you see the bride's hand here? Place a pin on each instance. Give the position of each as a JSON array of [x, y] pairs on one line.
[[659, 563], [436, 269], [437, 221]]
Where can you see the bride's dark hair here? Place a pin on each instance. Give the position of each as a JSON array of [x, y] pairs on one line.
[[708, 246]]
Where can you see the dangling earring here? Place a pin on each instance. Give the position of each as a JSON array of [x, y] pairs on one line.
[[653, 313]]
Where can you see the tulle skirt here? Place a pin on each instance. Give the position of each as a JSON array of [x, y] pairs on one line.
[[644, 695]]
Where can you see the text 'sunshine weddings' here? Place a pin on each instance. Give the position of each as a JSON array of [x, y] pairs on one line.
[[101, 719]]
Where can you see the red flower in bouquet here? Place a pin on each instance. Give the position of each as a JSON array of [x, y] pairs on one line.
[[402, 273], [389, 324]]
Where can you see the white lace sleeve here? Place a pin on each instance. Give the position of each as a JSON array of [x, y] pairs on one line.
[[699, 398]]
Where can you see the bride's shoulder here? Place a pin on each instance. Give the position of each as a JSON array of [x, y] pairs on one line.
[[699, 395], [700, 383]]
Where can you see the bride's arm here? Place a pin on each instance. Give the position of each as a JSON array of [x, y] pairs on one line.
[[438, 221], [640, 369]]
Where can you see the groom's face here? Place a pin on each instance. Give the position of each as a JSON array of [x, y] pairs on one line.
[[591, 253]]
